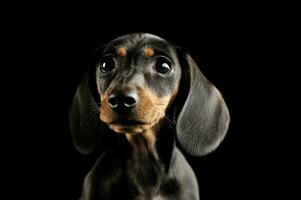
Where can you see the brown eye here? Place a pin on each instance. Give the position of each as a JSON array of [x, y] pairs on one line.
[[107, 64], [163, 65]]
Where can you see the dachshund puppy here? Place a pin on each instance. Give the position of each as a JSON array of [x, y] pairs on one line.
[[141, 94]]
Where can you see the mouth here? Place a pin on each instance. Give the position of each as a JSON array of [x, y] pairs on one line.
[[126, 122], [129, 126]]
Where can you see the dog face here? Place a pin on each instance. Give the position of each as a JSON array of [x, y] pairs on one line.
[[137, 79]]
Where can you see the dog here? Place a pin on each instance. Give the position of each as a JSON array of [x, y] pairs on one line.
[[141, 97]]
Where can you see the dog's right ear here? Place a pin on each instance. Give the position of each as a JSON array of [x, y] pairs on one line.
[[86, 127], [204, 118]]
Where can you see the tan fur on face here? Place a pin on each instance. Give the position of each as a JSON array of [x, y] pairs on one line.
[[121, 52], [150, 109], [149, 52], [106, 114]]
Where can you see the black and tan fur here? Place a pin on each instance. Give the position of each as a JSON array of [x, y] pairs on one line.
[[140, 160]]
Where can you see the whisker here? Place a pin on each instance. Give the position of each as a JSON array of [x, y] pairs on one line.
[[91, 115], [93, 104], [171, 123]]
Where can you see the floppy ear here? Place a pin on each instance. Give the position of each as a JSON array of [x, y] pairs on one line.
[[204, 118], [86, 127]]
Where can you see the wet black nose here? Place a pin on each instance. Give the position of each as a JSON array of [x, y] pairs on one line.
[[123, 101]]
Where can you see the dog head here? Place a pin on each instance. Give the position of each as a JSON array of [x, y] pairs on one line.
[[137, 78], [132, 83]]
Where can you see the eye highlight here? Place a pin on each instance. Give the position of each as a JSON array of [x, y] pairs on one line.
[[163, 65], [107, 64]]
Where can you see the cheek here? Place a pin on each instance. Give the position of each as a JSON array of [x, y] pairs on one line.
[[166, 100], [151, 102], [162, 86]]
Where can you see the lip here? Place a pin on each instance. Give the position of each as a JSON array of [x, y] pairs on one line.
[[129, 126], [126, 122]]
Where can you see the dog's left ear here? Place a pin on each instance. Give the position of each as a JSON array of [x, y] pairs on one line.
[[204, 118], [86, 128]]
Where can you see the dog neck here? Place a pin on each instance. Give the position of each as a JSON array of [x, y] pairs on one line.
[[143, 142], [149, 158], [143, 165]]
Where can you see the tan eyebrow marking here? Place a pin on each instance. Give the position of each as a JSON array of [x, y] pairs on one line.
[[121, 51], [149, 52]]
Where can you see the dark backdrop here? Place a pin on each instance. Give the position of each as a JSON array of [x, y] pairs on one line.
[[49, 51]]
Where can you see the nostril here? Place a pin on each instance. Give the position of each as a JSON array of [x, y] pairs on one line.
[[122, 101], [129, 101], [113, 102]]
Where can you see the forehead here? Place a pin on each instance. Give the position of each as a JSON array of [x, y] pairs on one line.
[[137, 42]]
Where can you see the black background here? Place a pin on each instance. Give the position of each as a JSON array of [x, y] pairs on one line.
[[238, 50]]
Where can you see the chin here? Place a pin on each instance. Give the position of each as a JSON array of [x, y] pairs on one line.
[[129, 129]]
